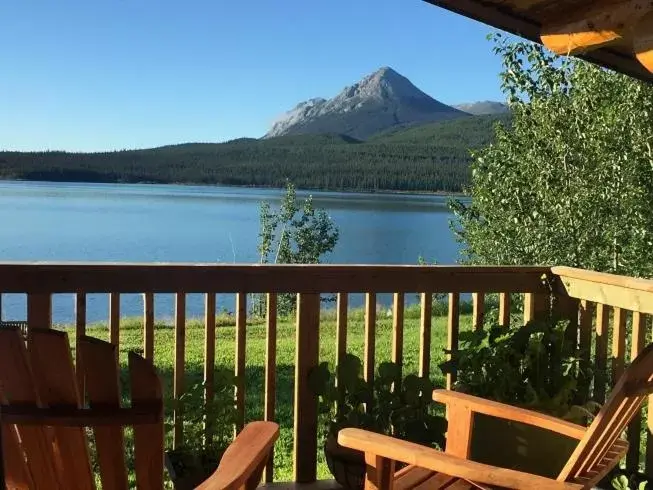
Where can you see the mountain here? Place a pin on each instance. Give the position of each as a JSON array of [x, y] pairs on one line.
[[380, 101], [483, 108], [428, 157]]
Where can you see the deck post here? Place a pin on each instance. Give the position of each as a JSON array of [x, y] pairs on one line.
[[39, 311], [305, 406]]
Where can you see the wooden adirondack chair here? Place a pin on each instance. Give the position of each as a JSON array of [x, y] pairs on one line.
[[598, 451], [44, 443]]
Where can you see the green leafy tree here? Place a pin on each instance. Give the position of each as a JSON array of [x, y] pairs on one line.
[[295, 233], [570, 180]]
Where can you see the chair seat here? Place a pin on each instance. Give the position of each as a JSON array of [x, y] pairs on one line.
[[414, 477]]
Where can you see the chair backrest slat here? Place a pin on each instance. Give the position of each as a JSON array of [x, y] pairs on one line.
[[612, 420], [148, 439], [16, 472], [52, 367], [17, 387], [102, 381]]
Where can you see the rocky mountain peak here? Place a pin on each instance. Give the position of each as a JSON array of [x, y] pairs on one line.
[[377, 102]]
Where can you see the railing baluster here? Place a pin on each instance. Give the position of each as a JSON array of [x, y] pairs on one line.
[[618, 343], [398, 331], [114, 319], [648, 464], [600, 377], [341, 327], [585, 344], [148, 326], [638, 342], [478, 313], [305, 402], [425, 334], [535, 306], [504, 309], [80, 330], [241, 336], [180, 354], [370, 337], [209, 365], [270, 371], [39, 311], [453, 328]]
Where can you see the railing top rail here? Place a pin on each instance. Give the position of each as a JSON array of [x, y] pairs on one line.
[[604, 278], [90, 277], [609, 289]]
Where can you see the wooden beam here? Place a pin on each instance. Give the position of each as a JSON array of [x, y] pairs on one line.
[[199, 278], [586, 29], [643, 41]]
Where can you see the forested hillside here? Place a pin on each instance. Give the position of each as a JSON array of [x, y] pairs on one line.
[[432, 157]]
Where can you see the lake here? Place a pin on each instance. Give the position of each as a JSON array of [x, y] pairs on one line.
[[173, 223]]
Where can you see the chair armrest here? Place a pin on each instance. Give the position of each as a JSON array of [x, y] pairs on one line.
[[508, 412], [434, 460], [246, 455]]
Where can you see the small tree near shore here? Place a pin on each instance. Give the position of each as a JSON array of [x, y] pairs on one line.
[[295, 233]]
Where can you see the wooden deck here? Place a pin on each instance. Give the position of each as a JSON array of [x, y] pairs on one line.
[[603, 310]]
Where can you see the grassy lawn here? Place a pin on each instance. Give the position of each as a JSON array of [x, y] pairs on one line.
[[131, 338]]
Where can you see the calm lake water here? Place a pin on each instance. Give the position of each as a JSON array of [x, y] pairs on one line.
[[168, 223]]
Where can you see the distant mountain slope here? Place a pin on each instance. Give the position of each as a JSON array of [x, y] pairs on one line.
[[380, 101], [482, 108], [431, 157]]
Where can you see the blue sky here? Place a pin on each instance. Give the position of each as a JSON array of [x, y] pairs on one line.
[[87, 75]]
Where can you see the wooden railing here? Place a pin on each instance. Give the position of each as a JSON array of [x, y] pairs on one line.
[[574, 294]]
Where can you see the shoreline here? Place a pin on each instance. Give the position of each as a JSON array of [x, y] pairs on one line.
[[438, 193]]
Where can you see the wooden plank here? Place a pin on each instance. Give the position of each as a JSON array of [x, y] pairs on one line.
[[14, 471], [52, 365], [224, 278], [504, 309], [618, 343], [100, 362], [241, 337], [370, 336], [148, 439], [648, 463], [80, 331], [618, 291], [478, 312], [179, 369], [425, 334], [601, 349], [209, 364], [17, 387], [270, 372], [305, 402], [379, 472], [459, 430], [585, 345], [341, 326], [398, 330], [114, 318], [453, 330], [148, 326], [39, 311], [593, 25], [638, 342]]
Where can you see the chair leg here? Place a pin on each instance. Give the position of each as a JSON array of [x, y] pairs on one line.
[[380, 472], [254, 480]]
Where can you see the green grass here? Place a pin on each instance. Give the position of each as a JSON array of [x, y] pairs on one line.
[[131, 339]]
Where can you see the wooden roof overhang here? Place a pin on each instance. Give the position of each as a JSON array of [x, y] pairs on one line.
[[616, 34]]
